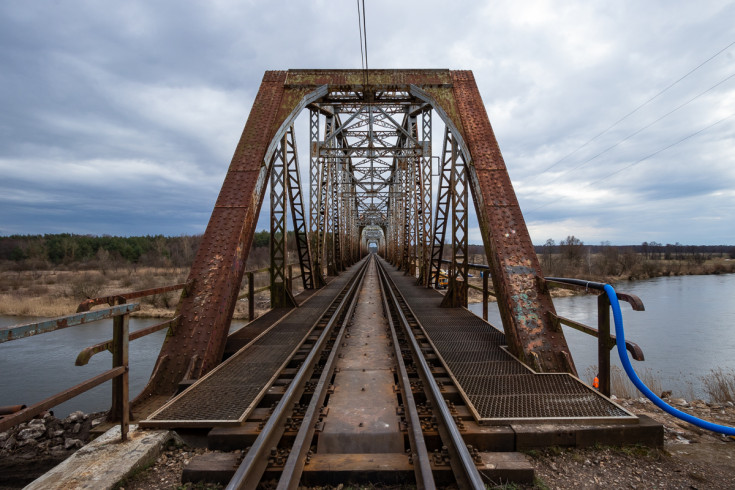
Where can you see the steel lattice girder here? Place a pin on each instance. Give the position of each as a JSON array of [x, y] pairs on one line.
[[197, 343]]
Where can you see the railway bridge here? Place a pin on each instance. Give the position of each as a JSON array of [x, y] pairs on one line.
[[363, 370]]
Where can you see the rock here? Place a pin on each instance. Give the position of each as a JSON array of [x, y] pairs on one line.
[[77, 427], [58, 433], [10, 443], [729, 403], [666, 394], [4, 436], [613, 397], [35, 422], [72, 443], [98, 421], [31, 433], [679, 401], [643, 400]]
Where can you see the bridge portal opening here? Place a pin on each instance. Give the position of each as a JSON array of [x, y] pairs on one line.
[[350, 161]]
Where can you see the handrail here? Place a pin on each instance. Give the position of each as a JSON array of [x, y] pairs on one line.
[[605, 341], [115, 298], [15, 332], [120, 315], [86, 354]]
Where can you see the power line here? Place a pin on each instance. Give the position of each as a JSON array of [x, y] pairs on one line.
[[685, 138], [637, 108], [364, 29], [634, 133], [359, 28]]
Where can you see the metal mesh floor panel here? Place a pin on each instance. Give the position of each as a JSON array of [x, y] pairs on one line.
[[227, 392], [495, 384]]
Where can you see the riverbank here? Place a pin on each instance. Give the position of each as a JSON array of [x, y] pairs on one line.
[[53, 293], [30, 449]]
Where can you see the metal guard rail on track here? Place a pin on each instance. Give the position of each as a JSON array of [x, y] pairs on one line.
[[254, 463], [119, 373], [462, 463]]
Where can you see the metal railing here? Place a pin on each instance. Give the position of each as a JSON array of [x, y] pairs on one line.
[[120, 315], [605, 341]]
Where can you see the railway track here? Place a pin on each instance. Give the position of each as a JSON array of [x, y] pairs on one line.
[[382, 375]]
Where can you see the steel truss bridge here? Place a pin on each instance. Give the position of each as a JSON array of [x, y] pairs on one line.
[[369, 181], [369, 374]]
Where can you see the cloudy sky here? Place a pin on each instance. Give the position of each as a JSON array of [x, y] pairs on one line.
[[616, 119]]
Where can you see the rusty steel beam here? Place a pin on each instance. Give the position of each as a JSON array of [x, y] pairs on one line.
[[524, 302]]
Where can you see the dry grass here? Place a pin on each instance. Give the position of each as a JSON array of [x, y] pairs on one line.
[[720, 385], [53, 293], [621, 386]]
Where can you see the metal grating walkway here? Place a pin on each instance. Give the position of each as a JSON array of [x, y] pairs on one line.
[[227, 394], [496, 386]]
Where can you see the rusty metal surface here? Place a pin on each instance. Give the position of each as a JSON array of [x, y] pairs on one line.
[[216, 274], [523, 300], [116, 298], [206, 306], [15, 332], [227, 394], [495, 385]]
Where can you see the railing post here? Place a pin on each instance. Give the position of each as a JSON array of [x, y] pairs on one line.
[[603, 343], [120, 391], [251, 296], [484, 294]]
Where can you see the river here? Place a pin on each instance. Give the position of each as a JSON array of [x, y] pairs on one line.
[[33, 368], [688, 329]]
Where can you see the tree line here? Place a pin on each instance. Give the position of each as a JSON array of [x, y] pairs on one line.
[[67, 249]]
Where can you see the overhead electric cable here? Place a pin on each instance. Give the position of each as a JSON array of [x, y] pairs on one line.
[[685, 138], [364, 29], [640, 130], [637, 108], [359, 28]]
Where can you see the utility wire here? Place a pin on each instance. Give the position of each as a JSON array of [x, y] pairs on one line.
[[637, 108], [359, 28], [685, 138], [634, 133], [364, 30]]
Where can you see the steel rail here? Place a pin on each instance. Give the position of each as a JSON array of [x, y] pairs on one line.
[[419, 453], [255, 462], [292, 469], [461, 461]]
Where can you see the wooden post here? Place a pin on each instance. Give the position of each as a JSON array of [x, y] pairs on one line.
[[603, 343], [484, 294], [251, 296], [120, 391]]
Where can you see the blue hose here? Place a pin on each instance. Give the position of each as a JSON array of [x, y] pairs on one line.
[[620, 334]]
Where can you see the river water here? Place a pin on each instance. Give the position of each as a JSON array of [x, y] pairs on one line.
[[34, 368], [688, 329]]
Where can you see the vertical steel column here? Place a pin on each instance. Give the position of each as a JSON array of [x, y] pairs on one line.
[[425, 201], [457, 290], [315, 201], [442, 209], [280, 289], [293, 184], [326, 202]]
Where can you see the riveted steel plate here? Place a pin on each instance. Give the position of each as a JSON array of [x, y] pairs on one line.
[[497, 387]]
